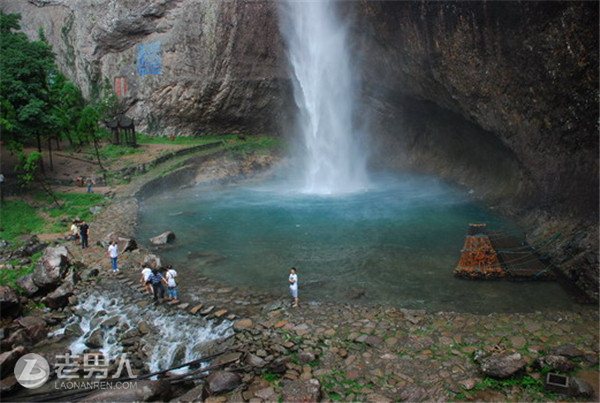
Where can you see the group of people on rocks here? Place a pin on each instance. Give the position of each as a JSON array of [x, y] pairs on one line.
[[153, 279], [79, 231], [156, 279]]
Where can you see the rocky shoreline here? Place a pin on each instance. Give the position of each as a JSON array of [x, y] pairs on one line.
[[268, 351]]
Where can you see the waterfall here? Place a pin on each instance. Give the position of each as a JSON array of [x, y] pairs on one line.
[[324, 90]]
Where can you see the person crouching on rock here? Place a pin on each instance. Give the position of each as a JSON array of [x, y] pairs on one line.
[[171, 285], [156, 280], [145, 280]]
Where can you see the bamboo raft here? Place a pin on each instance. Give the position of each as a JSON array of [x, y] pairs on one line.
[[486, 256]]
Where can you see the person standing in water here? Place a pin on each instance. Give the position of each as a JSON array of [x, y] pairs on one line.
[[293, 280]]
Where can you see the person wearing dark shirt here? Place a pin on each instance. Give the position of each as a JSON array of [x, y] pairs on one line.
[[156, 280], [84, 231]]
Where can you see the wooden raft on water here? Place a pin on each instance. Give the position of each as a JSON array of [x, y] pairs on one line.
[[478, 259], [493, 256]]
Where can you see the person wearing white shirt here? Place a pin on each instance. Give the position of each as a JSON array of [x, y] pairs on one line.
[[172, 285], [113, 253], [293, 280], [145, 280]]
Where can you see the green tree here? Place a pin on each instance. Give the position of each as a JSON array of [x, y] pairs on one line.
[[24, 90]]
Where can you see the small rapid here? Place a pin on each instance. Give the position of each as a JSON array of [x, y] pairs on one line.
[[113, 325]]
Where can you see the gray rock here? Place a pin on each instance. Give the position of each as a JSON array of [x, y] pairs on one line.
[[502, 365], [301, 391], [567, 350], [143, 327], [110, 322], [8, 384], [163, 239], [580, 388], [59, 298], [556, 362], [125, 243], [35, 327], [8, 359], [10, 305], [152, 261], [222, 381], [306, 357], [255, 361], [227, 358], [27, 285], [51, 268], [96, 339], [243, 324]]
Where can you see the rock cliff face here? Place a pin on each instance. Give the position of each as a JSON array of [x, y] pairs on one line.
[[183, 66], [501, 97]]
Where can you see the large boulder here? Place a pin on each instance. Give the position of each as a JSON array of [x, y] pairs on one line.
[[221, 382], [59, 298], [502, 365], [163, 239], [152, 261], [10, 305], [143, 391], [52, 267], [125, 243], [8, 359], [35, 327], [301, 391], [27, 285]]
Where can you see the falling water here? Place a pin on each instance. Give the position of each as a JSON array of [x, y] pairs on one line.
[[324, 91]]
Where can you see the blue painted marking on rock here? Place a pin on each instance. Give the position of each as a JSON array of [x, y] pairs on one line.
[[149, 59]]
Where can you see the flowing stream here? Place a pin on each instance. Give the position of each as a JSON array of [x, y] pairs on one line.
[[175, 337]]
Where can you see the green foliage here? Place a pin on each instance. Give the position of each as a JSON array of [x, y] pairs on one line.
[[9, 277], [183, 140], [111, 151], [254, 144], [336, 384], [271, 377], [28, 168], [18, 218], [24, 89], [534, 388]]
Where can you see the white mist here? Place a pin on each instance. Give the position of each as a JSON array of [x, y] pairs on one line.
[[324, 91]]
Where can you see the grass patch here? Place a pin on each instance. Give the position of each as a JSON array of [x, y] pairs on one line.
[[254, 144], [336, 385], [9, 277], [19, 218], [534, 388], [271, 377], [112, 151], [183, 140]]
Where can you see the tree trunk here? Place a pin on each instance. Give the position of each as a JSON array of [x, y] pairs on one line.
[[39, 146], [57, 143], [50, 154], [100, 162]]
